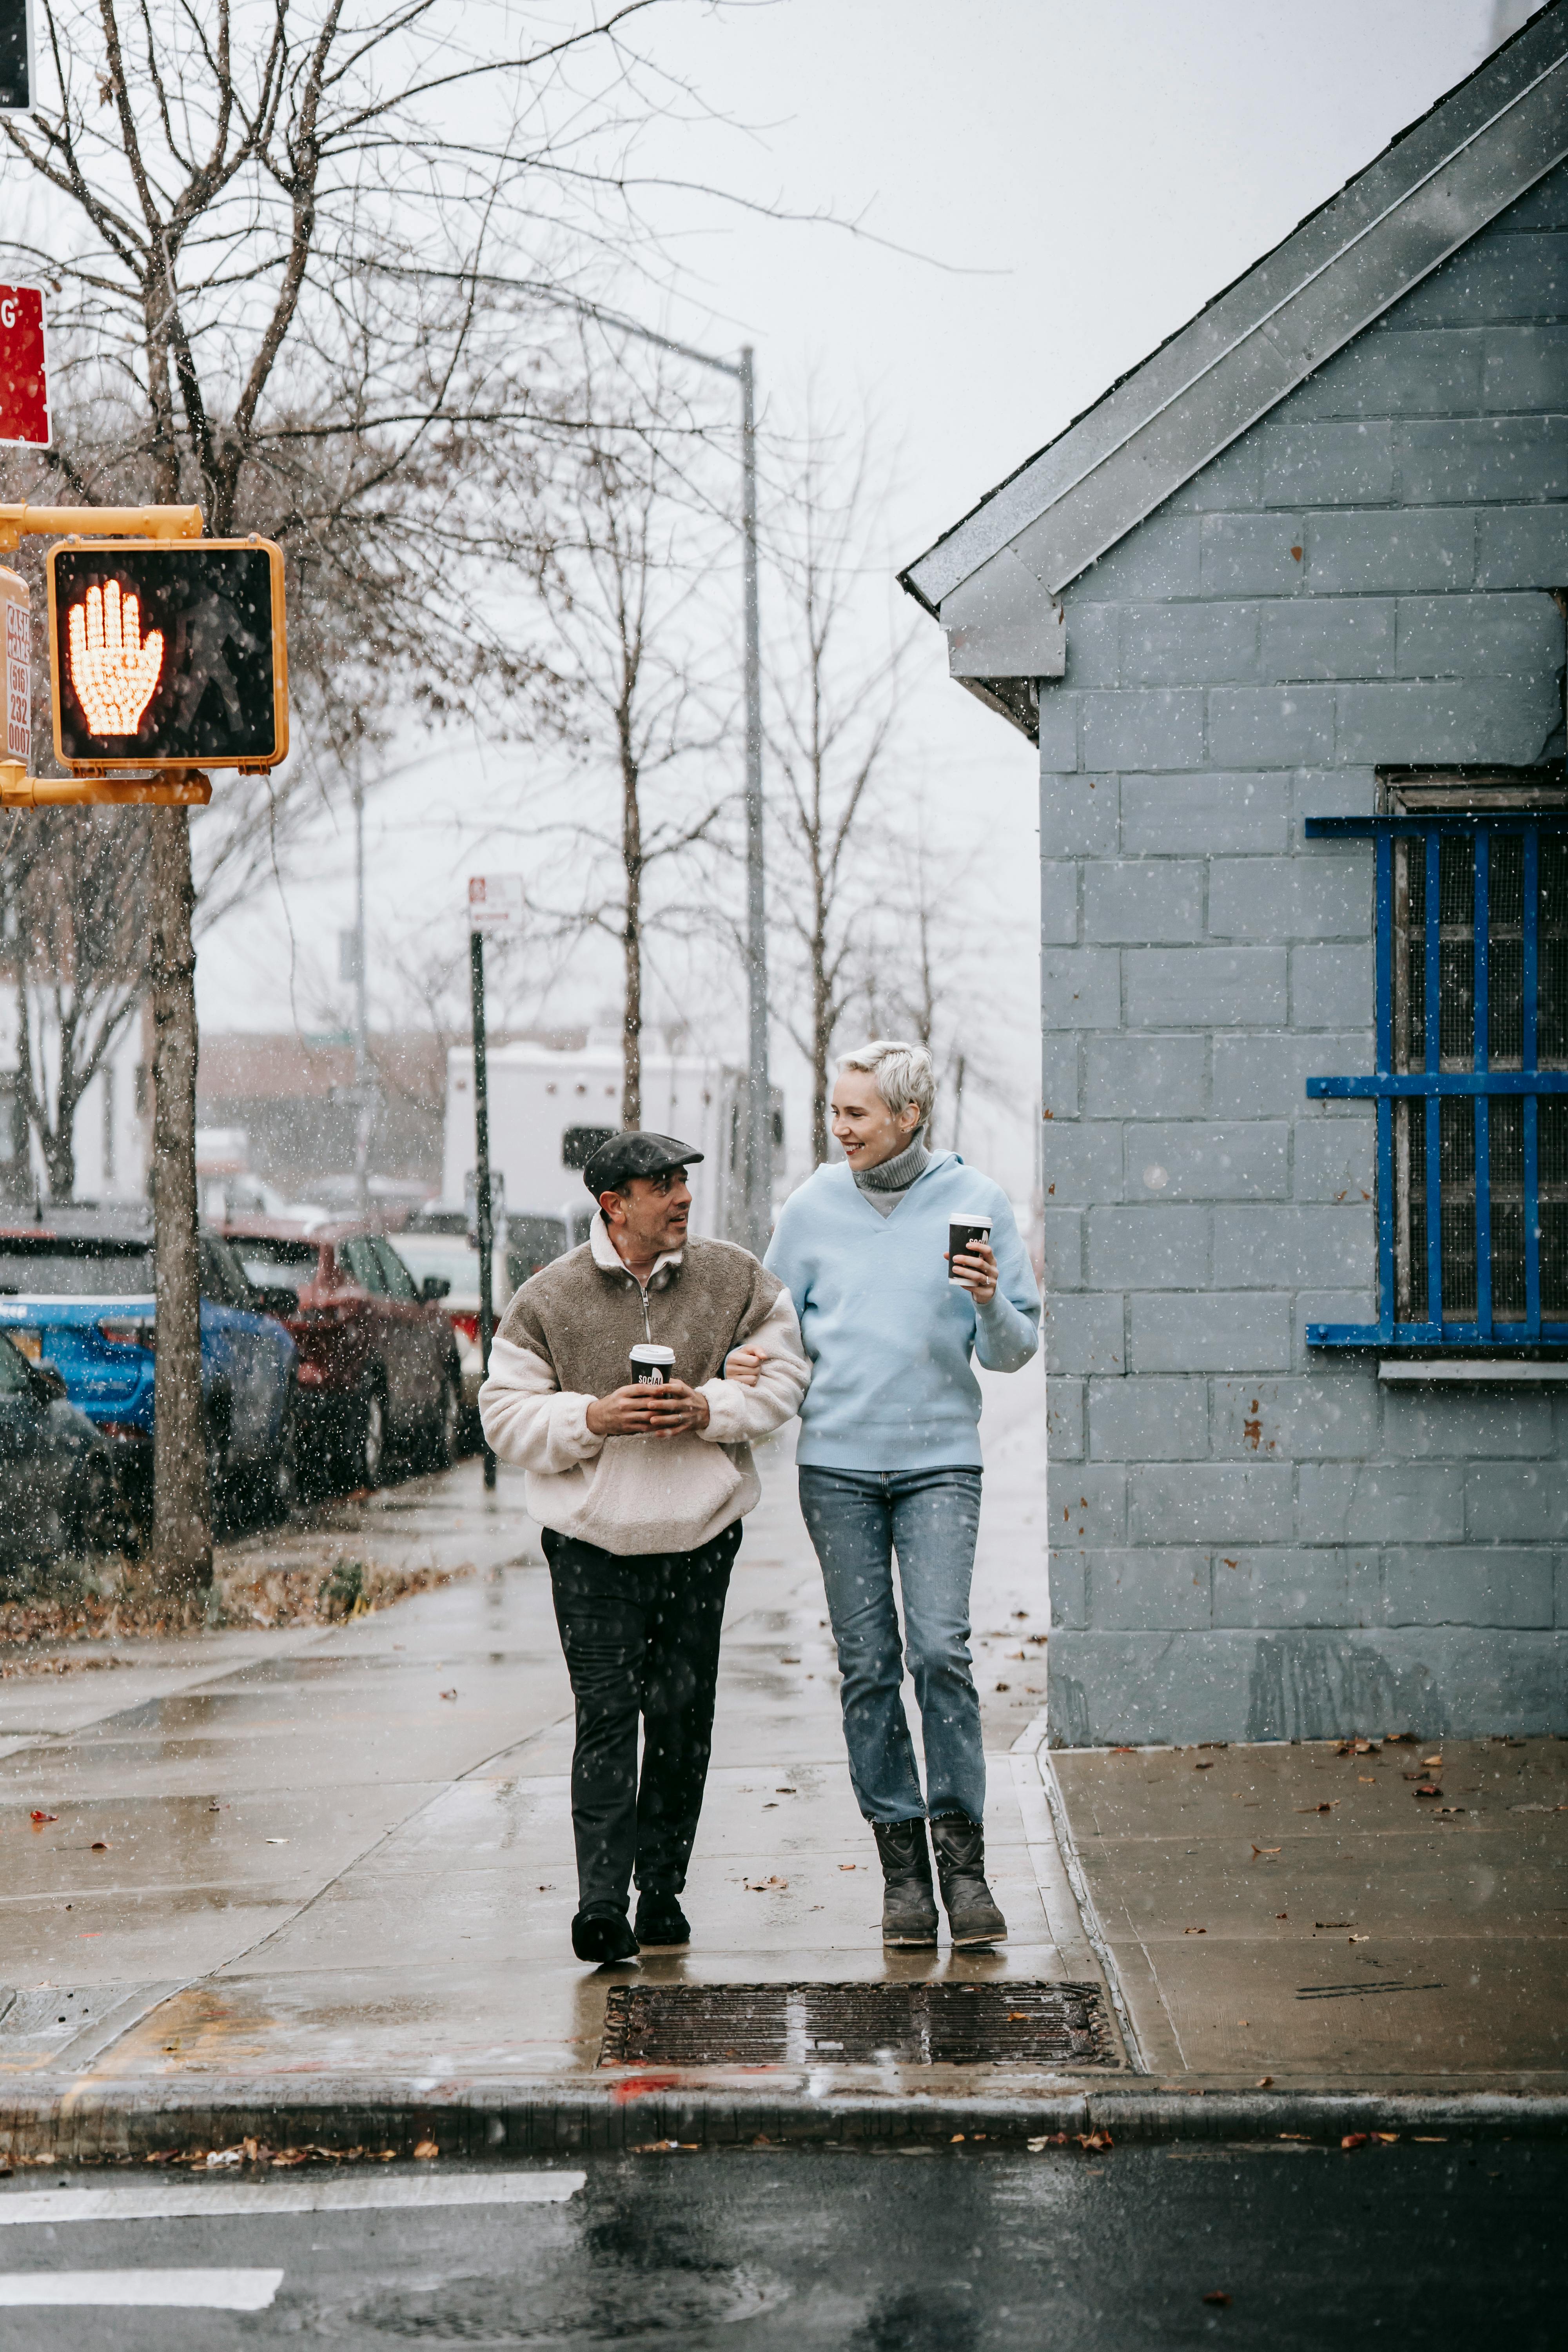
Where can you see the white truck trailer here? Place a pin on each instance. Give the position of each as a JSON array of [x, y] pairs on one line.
[[549, 1110]]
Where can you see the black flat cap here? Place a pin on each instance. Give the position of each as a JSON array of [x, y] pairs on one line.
[[634, 1154]]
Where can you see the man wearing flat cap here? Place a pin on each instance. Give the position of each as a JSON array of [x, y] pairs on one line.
[[640, 1471]]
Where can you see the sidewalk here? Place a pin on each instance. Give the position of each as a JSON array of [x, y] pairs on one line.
[[324, 1875]]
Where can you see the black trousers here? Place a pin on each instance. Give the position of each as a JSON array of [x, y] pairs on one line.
[[641, 1638]]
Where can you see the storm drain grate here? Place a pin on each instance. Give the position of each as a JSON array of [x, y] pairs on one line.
[[1019, 2025]]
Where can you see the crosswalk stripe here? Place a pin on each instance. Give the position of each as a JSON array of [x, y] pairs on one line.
[[231, 2290], [362, 2193]]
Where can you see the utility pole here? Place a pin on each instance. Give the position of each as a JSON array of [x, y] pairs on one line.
[[482, 1165], [363, 1099]]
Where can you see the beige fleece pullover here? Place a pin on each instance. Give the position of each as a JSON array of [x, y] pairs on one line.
[[564, 1341]]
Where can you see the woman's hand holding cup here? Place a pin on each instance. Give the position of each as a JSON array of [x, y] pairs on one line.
[[975, 1268]]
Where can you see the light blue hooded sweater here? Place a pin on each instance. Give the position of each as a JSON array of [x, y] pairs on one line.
[[889, 1337]]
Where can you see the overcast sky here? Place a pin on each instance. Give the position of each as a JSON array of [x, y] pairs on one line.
[[1069, 181]]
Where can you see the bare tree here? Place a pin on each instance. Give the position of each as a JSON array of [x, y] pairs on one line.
[[830, 743], [272, 237], [930, 954], [74, 889], [622, 583]]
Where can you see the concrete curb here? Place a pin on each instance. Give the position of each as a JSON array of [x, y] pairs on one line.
[[68, 2122]]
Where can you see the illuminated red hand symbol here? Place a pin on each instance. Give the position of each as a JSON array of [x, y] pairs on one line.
[[115, 673]]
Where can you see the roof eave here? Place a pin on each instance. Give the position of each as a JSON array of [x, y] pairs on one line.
[[1482, 147]]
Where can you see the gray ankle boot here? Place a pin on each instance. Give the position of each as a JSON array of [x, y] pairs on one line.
[[972, 1914], [908, 1906]]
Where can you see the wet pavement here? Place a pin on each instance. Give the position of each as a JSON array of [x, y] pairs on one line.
[[1313, 1915], [1275, 2246], [331, 1852]]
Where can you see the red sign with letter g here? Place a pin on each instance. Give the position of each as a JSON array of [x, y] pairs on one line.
[[24, 389]]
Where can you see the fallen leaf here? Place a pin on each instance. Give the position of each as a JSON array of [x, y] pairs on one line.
[[1327, 1808], [1094, 2141], [1432, 1763], [1265, 1850], [1358, 1939], [100, 1845], [1207, 1766], [1017, 2017], [1282, 1914], [766, 1885], [1354, 2139], [40, 1817], [957, 2138], [1218, 2295], [1387, 2138], [426, 2151], [274, 1840], [1428, 1789], [849, 1865], [1046, 2139], [1430, 2139], [1195, 1931], [451, 1694], [1002, 1687], [1265, 2083], [1367, 1780]]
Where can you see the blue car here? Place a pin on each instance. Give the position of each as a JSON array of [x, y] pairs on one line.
[[80, 1298]]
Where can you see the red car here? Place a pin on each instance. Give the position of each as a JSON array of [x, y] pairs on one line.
[[378, 1363]]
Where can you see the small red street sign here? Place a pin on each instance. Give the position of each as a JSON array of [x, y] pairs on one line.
[[24, 389]]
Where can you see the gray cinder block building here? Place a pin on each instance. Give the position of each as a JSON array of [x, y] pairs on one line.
[[1284, 613]]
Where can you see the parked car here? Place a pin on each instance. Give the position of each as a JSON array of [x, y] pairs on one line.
[[58, 1492], [378, 1361], [81, 1300], [435, 1245]]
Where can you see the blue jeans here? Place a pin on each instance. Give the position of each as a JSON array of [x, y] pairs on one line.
[[858, 1519]]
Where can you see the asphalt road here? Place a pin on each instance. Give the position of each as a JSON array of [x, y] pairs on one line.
[[758, 2251]]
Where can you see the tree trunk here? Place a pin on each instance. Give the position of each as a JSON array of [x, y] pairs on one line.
[[60, 1155], [822, 1008], [182, 1500], [821, 1040], [631, 1015]]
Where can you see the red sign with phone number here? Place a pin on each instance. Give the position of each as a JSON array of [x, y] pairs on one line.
[[24, 386]]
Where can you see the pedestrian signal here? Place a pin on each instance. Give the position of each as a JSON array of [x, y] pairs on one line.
[[170, 656]]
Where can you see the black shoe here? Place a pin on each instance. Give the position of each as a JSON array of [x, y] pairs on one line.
[[908, 1906], [972, 1914], [661, 1920], [603, 1933]]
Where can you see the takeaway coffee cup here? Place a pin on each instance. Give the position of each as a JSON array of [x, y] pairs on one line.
[[652, 1366], [961, 1233]]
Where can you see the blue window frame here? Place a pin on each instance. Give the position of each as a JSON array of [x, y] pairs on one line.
[[1471, 1083]]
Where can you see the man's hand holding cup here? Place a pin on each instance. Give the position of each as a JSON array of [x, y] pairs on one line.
[[654, 1403]]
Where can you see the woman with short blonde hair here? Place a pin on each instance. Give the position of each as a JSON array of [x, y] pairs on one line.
[[891, 1314]]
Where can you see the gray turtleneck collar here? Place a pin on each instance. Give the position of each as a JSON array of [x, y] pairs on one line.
[[886, 1184]]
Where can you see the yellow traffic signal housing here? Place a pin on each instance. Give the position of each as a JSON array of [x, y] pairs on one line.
[[168, 656]]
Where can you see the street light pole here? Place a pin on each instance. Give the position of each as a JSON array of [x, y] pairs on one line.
[[361, 1026], [759, 1093], [758, 1173]]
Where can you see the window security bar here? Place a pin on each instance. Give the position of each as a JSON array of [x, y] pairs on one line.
[[1471, 1082]]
